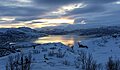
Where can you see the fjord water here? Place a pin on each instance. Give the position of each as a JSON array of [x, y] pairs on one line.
[[65, 39]]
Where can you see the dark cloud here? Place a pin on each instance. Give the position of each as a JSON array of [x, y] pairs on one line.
[[78, 20], [55, 3], [39, 8], [104, 19], [20, 11], [62, 2], [26, 18], [100, 1], [87, 9], [110, 19]]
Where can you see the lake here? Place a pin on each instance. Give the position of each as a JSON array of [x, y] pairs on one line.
[[65, 39]]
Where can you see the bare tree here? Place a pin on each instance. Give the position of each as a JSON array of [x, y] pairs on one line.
[[19, 62], [86, 62]]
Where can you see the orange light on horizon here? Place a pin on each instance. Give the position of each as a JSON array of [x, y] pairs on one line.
[[45, 23]]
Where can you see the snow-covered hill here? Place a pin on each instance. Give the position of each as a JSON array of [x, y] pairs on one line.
[[57, 56], [18, 34]]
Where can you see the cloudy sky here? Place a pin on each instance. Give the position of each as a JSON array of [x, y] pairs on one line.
[[43, 13]]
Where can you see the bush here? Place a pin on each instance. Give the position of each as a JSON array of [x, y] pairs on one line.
[[86, 62], [66, 62], [113, 64], [35, 51], [44, 49], [91, 64], [19, 62], [60, 54], [51, 53], [4, 52]]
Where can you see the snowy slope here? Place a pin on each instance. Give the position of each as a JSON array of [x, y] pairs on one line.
[[56, 56], [104, 47]]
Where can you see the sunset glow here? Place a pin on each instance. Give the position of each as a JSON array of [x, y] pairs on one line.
[[40, 23], [7, 19], [58, 20]]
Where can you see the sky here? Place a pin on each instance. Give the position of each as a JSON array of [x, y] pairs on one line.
[[46, 13]]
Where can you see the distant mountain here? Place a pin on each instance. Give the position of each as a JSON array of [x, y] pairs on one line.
[[101, 31], [71, 27], [96, 31], [18, 34]]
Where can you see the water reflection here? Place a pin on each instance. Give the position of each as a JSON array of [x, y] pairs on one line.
[[65, 39]]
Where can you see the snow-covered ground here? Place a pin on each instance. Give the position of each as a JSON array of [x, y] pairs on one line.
[[103, 48], [57, 56]]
